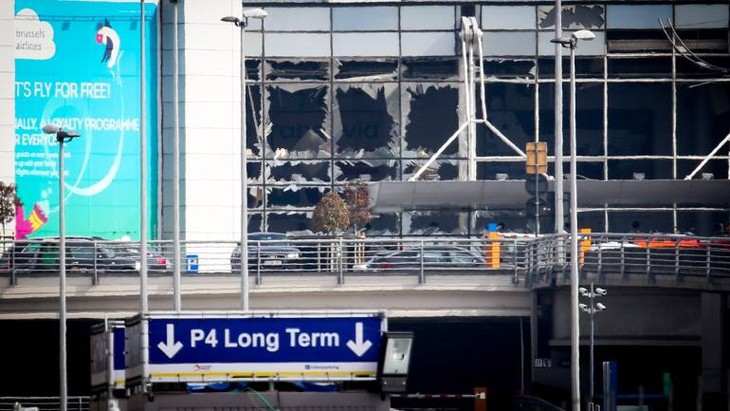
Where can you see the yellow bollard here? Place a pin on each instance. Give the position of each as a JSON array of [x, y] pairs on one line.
[[585, 244]]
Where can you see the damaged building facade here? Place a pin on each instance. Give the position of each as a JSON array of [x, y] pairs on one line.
[[369, 91]]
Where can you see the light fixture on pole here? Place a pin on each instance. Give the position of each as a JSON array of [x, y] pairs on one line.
[[572, 42], [591, 308], [62, 137], [243, 253]]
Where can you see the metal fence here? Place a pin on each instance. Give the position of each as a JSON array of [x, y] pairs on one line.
[[42, 403], [541, 258]]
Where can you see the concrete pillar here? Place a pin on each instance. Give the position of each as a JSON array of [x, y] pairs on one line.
[[714, 360]]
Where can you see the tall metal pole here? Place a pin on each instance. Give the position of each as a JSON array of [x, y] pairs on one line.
[[177, 301], [244, 177], [559, 213], [62, 275], [143, 202], [574, 309], [593, 311]]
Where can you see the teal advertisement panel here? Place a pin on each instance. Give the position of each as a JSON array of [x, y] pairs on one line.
[[78, 66]]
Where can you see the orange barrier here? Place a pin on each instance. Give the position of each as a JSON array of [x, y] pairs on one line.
[[585, 244], [493, 250], [666, 243]]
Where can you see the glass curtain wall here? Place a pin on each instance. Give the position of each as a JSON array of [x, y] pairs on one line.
[[369, 92]]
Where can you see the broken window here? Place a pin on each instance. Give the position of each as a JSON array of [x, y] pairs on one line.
[[289, 222], [511, 109], [712, 66], [430, 117], [585, 67], [438, 170], [297, 70], [300, 171], [639, 169], [366, 70], [366, 170], [365, 123], [432, 69], [383, 224], [640, 67], [574, 17], [703, 117], [253, 120], [509, 68], [298, 127], [433, 223], [639, 119], [713, 169], [293, 196]]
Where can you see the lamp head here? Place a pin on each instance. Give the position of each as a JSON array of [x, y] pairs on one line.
[[231, 19], [256, 13], [51, 128], [585, 35]]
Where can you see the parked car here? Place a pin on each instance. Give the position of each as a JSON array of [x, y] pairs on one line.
[[438, 257], [82, 254], [268, 250]]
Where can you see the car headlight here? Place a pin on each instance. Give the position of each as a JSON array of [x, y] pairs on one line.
[[292, 255]]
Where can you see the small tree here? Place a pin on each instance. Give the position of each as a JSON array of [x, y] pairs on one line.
[[357, 198], [330, 214], [8, 201]]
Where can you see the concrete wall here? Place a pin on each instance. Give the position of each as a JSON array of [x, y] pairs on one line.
[[209, 119], [7, 95]]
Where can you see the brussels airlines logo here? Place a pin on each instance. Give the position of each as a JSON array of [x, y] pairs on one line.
[[108, 37]]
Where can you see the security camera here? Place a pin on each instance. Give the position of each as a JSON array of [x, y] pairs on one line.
[[600, 307], [600, 291]]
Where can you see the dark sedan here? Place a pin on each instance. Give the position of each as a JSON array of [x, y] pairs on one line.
[[268, 251]]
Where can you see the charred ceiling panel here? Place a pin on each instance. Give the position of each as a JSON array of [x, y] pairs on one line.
[[364, 124], [367, 170], [300, 171], [511, 109], [430, 113], [293, 196], [508, 68], [438, 170], [574, 17], [296, 70], [430, 68], [298, 114], [359, 70]]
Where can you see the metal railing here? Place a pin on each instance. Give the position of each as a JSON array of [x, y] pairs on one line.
[[42, 403], [536, 259]]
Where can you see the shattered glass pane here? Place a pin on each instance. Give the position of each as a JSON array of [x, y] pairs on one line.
[[639, 119], [433, 223], [288, 223], [511, 110], [382, 225], [255, 220], [430, 117], [293, 196], [297, 70], [703, 118], [366, 70], [718, 169], [575, 17], [253, 120], [589, 118], [365, 123], [585, 67], [255, 197], [298, 116], [419, 68], [253, 69], [509, 68], [438, 170], [714, 64], [366, 170], [299, 171]]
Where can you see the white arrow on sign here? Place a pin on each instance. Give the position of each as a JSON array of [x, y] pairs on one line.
[[171, 347], [359, 347]]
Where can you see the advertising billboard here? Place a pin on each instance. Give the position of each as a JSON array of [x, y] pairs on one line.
[[78, 66]]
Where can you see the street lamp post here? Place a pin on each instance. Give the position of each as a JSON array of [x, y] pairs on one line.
[[572, 42], [591, 309], [242, 23], [62, 137]]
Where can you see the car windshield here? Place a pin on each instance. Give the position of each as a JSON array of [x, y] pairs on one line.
[[279, 239]]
